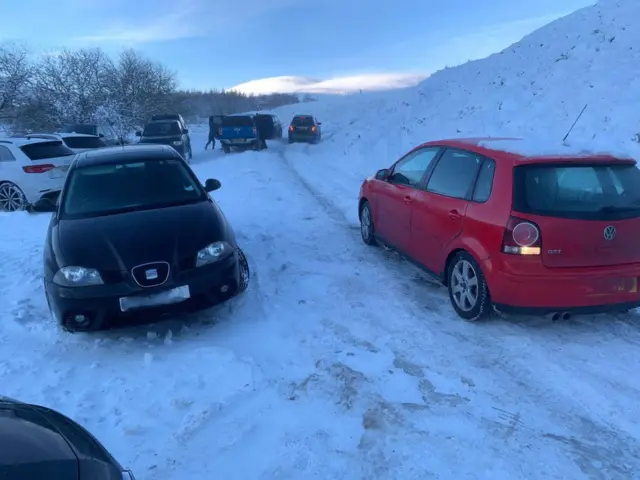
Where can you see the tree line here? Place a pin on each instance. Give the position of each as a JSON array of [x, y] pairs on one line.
[[41, 93]]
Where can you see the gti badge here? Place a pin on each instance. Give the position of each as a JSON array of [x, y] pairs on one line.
[[609, 232], [151, 274]]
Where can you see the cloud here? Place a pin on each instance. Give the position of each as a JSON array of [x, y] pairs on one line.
[[185, 19], [337, 85]]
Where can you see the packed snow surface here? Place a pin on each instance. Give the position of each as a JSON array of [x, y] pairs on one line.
[[342, 361]]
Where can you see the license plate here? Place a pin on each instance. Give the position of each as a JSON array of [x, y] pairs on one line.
[[168, 297], [237, 140]]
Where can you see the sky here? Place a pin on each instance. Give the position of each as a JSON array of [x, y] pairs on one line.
[[221, 43]]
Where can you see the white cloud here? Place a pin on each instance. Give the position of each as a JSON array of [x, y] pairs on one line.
[[337, 85], [182, 19]]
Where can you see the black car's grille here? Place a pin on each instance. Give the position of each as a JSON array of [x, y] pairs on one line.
[[187, 263], [151, 274]]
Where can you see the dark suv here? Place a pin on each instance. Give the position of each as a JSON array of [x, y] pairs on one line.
[[167, 132], [178, 118], [305, 128]]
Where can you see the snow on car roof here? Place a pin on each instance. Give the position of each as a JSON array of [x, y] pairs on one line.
[[531, 148]]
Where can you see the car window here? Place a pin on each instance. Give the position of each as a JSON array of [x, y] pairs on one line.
[[237, 121], [80, 128], [484, 184], [159, 129], [5, 154], [90, 191], [46, 150], [303, 121], [84, 142], [590, 192], [455, 174], [410, 170]]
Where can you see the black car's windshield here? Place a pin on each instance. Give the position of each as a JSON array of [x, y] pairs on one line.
[[161, 129], [80, 128], [99, 190]]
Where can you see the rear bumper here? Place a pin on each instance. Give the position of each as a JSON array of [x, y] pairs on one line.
[[579, 290], [306, 137], [102, 303], [233, 142]]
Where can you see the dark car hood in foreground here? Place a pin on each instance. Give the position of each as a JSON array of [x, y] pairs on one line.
[[120, 242]]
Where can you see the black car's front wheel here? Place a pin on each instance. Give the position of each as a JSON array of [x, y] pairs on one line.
[[245, 274]]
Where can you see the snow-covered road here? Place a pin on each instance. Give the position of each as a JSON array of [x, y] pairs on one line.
[[339, 362]]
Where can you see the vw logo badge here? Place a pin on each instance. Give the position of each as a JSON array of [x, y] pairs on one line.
[[609, 232]]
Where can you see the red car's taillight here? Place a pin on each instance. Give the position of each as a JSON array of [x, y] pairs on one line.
[[38, 168], [521, 237]]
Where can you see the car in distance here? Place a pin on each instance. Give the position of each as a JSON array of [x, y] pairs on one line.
[[39, 442], [305, 128], [135, 232], [106, 132], [78, 142], [167, 132], [505, 226]]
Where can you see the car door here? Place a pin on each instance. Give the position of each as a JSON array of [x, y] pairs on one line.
[[394, 196], [438, 212]]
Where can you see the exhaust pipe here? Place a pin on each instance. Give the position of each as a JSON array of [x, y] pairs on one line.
[[566, 316], [554, 316]]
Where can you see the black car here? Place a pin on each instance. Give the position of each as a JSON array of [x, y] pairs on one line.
[[40, 443], [305, 128], [106, 132], [135, 232], [167, 132], [271, 125]]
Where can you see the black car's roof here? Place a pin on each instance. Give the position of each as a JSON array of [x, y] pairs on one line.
[[110, 155]]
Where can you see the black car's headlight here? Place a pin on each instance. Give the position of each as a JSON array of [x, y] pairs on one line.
[[212, 253], [77, 277]]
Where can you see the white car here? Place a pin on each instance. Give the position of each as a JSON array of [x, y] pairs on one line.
[[31, 169], [78, 142]]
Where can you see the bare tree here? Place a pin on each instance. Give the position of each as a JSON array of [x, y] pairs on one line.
[[15, 74]]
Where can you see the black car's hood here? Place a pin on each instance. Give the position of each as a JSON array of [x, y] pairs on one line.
[[120, 242]]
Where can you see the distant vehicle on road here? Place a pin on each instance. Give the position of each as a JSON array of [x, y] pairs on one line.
[[239, 131], [104, 131], [31, 169], [135, 234], [167, 132], [305, 128], [519, 232], [78, 142]]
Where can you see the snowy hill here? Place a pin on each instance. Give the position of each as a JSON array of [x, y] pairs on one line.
[[535, 88], [339, 85], [341, 361]]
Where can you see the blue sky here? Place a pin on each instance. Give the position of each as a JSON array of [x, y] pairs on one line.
[[220, 43]]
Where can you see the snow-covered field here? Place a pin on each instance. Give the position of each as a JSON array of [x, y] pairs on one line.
[[341, 361]]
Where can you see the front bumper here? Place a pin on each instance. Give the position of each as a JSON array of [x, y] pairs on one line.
[[208, 285], [519, 286]]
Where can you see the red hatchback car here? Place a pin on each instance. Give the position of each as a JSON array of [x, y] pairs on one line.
[[520, 232]]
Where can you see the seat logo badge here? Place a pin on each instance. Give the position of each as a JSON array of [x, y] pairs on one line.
[[151, 274], [610, 232]]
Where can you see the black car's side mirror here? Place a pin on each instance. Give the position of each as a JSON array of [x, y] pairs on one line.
[[382, 174], [101, 135], [319, 123], [186, 130], [138, 134], [44, 205], [212, 185]]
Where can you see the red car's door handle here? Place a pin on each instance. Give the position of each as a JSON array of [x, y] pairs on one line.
[[454, 215], [408, 199]]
